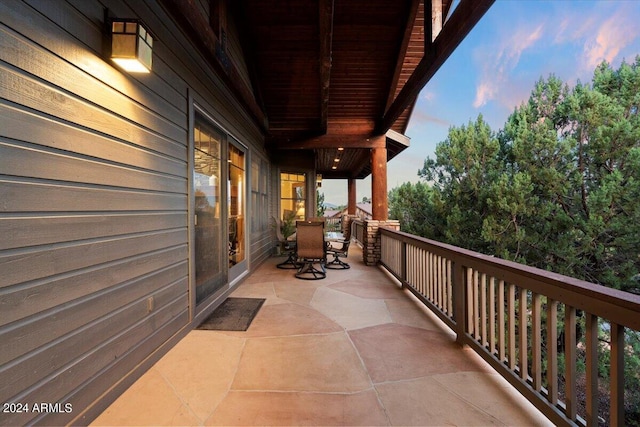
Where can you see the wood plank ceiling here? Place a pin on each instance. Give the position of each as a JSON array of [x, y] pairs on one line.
[[338, 74]]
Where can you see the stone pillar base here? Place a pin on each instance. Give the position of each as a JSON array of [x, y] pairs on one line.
[[346, 222], [371, 246]]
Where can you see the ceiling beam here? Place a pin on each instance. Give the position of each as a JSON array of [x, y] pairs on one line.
[[464, 18], [406, 38], [326, 37], [333, 141], [433, 26]]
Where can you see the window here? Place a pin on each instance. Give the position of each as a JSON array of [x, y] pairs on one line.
[[292, 196], [259, 199]]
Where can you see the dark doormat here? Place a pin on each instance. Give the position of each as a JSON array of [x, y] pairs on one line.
[[234, 314]]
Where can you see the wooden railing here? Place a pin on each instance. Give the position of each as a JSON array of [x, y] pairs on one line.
[[357, 231], [333, 224], [525, 322]]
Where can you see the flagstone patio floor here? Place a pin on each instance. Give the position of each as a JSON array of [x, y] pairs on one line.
[[352, 349]]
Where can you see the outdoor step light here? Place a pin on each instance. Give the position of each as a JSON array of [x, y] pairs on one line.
[[131, 45]]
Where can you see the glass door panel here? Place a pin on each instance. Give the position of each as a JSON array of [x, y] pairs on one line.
[[236, 205], [210, 274]]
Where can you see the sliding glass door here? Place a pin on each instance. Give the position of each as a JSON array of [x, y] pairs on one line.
[[236, 202], [209, 259]]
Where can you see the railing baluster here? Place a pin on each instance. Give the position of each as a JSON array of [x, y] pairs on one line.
[[501, 332], [592, 369], [483, 309], [428, 276], [432, 279], [511, 303], [536, 338], [424, 273], [424, 267], [415, 271], [522, 331], [440, 283], [403, 261], [492, 315], [469, 304], [450, 287], [460, 301], [476, 315], [552, 351], [416, 268], [570, 362], [617, 375], [412, 270]]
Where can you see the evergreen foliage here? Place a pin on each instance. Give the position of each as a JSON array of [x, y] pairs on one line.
[[320, 207], [557, 188]]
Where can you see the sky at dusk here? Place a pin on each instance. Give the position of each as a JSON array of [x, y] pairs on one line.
[[497, 65]]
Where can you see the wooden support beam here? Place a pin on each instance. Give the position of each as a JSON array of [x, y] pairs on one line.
[[326, 34], [437, 19], [428, 23], [464, 18], [379, 202], [218, 20], [351, 196], [333, 141], [408, 30], [351, 126]]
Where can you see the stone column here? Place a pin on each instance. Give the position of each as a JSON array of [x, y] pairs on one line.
[[372, 247], [346, 222]]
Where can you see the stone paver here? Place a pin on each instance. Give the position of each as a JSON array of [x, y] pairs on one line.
[[354, 349]]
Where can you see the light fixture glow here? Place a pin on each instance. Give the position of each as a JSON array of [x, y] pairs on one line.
[[131, 45]]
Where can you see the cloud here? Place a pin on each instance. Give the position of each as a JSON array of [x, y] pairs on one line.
[[485, 91], [610, 38], [428, 95], [574, 27], [501, 60], [420, 117], [599, 34]]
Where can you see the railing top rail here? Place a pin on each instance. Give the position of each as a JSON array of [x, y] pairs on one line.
[[615, 305]]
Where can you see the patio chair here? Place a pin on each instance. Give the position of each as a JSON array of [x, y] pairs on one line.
[[339, 249], [311, 250], [288, 248]]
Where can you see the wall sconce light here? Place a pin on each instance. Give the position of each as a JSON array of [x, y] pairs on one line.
[[131, 45]]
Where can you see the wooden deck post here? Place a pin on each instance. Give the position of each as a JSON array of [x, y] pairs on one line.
[[351, 193], [380, 205]]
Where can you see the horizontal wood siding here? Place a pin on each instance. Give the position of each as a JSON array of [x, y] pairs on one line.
[[94, 188], [262, 246]]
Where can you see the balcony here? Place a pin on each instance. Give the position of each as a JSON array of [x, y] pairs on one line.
[[353, 349]]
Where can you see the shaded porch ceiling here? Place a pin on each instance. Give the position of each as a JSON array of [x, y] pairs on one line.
[[330, 73]]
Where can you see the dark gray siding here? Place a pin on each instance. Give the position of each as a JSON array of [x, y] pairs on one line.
[[94, 188]]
